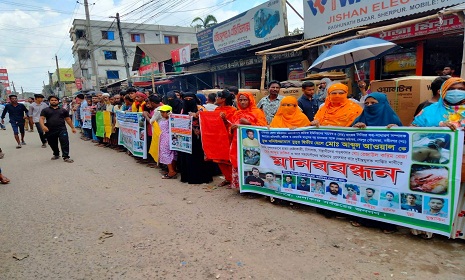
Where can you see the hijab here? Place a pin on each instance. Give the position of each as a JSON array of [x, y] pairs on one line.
[[379, 114], [251, 113], [202, 98], [189, 105], [343, 113], [440, 111], [174, 102], [289, 116]]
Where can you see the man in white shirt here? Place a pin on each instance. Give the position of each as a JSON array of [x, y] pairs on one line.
[[210, 105], [35, 109]]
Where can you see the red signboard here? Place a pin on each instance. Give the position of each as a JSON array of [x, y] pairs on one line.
[[3, 71], [78, 83], [448, 23], [4, 78]]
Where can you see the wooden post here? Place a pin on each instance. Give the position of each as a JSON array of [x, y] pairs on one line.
[[153, 82], [262, 81]]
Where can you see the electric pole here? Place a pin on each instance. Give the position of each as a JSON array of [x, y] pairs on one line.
[[58, 75], [91, 46], [13, 85], [22, 91], [125, 53]]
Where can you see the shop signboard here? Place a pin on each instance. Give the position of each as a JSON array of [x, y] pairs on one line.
[[326, 17], [261, 24], [448, 23], [375, 173], [78, 83]]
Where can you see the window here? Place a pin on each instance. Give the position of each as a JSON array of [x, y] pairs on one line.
[[109, 55], [80, 33], [137, 38], [171, 39], [83, 54], [108, 35], [112, 74]]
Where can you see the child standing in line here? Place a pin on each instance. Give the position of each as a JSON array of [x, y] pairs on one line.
[[165, 155]]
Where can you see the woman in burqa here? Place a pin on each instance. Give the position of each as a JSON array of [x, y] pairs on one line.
[[193, 167], [175, 103]]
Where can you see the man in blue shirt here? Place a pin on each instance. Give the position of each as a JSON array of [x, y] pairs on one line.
[[18, 114], [306, 102]]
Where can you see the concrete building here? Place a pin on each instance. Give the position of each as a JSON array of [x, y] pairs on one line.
[[107, 47]]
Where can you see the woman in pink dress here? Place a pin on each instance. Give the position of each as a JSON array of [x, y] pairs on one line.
[[165, 155]]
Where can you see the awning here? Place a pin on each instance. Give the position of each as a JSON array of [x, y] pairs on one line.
[[117, 83], [156, 52], [149, 83]]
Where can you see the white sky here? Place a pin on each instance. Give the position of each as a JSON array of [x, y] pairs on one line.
[[33, 32]]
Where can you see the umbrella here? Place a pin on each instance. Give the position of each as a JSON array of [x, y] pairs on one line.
[[353, 51]]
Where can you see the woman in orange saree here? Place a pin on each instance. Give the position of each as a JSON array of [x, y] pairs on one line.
[[248, 114]]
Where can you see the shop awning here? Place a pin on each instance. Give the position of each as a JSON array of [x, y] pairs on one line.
[[149, 83]]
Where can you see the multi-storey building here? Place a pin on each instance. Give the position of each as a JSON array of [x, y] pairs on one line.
[[108, 52]]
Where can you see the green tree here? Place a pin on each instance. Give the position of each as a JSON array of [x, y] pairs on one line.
[[207, 22], [297, 31]]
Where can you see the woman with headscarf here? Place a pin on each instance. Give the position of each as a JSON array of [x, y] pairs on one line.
[[449, 112], [322, 93], [202, 98], [377, 112], [248, 114], [175, 103], [289, 115], [194, 169], [224, 100], [337, 110]]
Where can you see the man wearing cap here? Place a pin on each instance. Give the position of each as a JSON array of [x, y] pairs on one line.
[[34, 116], [52, 121], [17, 113]]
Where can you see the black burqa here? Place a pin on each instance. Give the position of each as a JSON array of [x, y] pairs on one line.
[[175, 103], [194, 169]]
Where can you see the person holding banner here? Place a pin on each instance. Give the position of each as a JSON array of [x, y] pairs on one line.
[[194, 169], [377, 112], [224, 101], [165, 155], [248, 114], [337, 110], [449, 112], [288, 115], [174, 101], [139, 102]]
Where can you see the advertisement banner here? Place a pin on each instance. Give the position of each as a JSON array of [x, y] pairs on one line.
[[78, 83], [326, 17], [132, 128], [181, 133], [407, 176], [448, 23], [181, 56], [258, 25]]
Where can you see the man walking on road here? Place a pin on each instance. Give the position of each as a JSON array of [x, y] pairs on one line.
[[34, 116], [17, 113], [55, 128]]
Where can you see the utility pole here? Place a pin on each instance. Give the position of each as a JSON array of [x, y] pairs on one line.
[[91, 46], [58, 75], [22, 91], [125, 53], [13, 85]]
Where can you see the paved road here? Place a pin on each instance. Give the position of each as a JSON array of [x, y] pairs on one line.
[[107, 217]]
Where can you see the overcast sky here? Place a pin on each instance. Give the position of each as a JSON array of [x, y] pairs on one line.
[[34, 31]]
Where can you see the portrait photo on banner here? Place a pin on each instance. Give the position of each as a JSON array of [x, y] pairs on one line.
[[250, 138], [251, 155]]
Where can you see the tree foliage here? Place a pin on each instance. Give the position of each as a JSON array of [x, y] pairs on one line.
[[207, 22]]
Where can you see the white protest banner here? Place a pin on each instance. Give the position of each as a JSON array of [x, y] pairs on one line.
[[404, 176], [132, 128], [181, 133]]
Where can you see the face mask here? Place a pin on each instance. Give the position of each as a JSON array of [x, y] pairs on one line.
[[338, 98], [454, 96]]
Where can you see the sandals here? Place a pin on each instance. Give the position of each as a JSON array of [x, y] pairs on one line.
[[55, 157], [18, 147], [68, 160], [167, 176], [4, 180], [224, 183], [355, 224]]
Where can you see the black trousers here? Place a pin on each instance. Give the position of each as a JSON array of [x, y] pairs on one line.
[[41, 133], [53, 136]]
